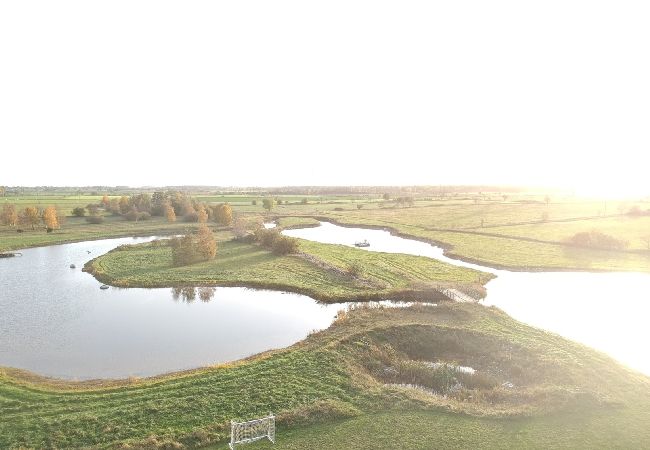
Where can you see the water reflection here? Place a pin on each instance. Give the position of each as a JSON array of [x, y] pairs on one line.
[[189, 294], [57, 322]]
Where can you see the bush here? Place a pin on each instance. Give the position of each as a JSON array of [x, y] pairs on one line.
[[355, 269], [266, 237], [131, 215], [95, 219], [80, 211], [635, 211], [191, 217], [596, 239], [284, 245]]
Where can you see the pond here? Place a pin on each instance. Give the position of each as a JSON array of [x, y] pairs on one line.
[[56, 321], [606, 311]]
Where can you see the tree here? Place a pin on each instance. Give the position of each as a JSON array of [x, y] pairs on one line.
[[30, 216], [132, 215], [206, 244], [223, 214], [3, 190], [386, 196], [141, 202], [170, 214], [79, 211], [159, 204], [239, 228], [51, 218], [105, 202], [9, 215], [124, 206], [202, 214], [268, 204], [192, 248], [182, 250], [114, 206]]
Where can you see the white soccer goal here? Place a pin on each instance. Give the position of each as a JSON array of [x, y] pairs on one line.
[[253, 430]]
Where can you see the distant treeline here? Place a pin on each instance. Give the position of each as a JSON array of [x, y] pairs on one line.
[[261, 191]]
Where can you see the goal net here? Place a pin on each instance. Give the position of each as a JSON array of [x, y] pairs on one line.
[[253, 430]]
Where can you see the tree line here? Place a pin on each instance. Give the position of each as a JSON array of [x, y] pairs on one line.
[[31, 216]]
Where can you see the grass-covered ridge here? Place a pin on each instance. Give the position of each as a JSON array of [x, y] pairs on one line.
[[335, 381], [325, 272]]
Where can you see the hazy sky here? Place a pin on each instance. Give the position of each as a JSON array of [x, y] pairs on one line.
[[325, 92]]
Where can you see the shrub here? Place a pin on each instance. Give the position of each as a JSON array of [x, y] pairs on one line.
[[635, 211], [95, 219], [596, 239], [266, 237], [338, 209], [79, 211], [355, 269], [284, 245], [132, 215], [191, 217]]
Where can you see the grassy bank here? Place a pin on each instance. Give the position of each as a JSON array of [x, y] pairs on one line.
[[77, 229], [337, 389], [326, 272]]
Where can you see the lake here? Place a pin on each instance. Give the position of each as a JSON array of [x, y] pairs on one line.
[[56, 321]]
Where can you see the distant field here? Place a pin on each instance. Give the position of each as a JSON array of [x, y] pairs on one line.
[[536, 244], [518, 232]]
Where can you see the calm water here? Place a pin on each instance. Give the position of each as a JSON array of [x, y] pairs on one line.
[[55, 321], [607, 311]]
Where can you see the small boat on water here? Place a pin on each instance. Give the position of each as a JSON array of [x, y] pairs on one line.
[[103, 286], [72, 266], [363, 243]]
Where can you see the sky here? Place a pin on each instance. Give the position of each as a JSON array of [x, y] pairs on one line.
[[244, 93]]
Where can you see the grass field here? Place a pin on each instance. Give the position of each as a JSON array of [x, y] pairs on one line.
[[328, 392], [513, 236], [321, 271], [77, 229]]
